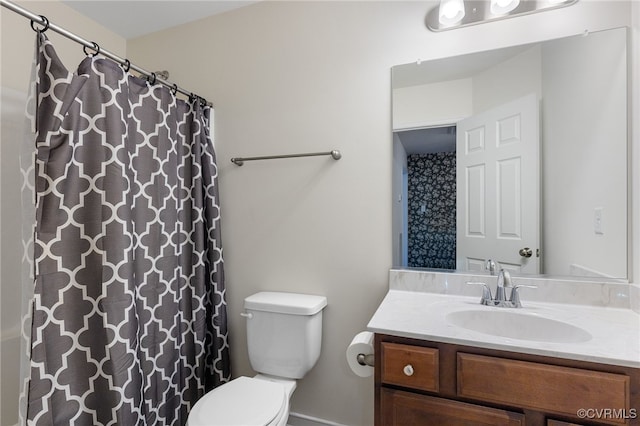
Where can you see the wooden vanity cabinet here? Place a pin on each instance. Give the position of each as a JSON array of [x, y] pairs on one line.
[[430, 383]]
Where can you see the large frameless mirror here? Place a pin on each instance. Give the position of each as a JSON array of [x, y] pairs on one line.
[[518, 155]]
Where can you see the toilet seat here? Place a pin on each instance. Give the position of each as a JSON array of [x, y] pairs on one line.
[[241, 402]]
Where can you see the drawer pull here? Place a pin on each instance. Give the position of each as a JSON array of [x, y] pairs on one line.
[[408, 370]]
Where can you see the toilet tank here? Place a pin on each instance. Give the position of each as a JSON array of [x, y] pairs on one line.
[[284, 332]]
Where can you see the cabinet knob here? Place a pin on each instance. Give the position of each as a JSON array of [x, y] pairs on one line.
[[408, 370]]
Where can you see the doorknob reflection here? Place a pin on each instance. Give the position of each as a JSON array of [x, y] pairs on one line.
[[525, 252]]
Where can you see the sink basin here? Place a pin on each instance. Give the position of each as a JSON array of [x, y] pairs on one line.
[[518, 326]]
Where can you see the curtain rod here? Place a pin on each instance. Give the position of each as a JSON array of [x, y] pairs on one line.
[[239, 161], [42, 20]]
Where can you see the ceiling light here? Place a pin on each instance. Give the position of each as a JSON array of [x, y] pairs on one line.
[[451, 11], [500, 7], [450, 14]]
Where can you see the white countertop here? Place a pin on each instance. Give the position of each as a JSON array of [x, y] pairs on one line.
[[615, 332]]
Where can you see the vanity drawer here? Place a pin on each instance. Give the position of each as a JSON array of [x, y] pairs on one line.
[[541, 387], [411, 366], [405, 408], [552, 422]]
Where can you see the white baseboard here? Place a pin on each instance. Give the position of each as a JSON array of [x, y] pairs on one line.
[[298, 419]]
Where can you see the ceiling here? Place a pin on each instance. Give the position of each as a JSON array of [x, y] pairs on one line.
[[452, 68], [131, 19], [428, 140]]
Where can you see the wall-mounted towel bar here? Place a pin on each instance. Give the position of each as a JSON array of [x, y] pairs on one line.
[[239, 161]]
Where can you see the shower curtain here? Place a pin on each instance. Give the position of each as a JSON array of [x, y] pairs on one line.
[[128, 311]]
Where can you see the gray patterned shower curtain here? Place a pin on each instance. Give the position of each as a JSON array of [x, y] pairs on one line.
[[129, 312]]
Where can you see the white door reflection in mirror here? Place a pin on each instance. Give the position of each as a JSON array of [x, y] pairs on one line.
[[498, 157]]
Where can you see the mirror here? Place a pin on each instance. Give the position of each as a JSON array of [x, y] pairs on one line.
[[561, 211]]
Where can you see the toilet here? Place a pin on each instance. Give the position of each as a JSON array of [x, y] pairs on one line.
[[284, 335]]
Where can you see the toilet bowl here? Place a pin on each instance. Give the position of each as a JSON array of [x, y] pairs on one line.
[[284, 334]]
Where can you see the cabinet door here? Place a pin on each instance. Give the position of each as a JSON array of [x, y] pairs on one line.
[[400, 408]]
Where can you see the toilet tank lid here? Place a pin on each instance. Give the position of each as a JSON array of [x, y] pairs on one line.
[[285, 303]]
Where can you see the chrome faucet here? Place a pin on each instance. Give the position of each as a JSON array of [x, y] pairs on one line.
[[504, 281], [500, 300], [490, 265]]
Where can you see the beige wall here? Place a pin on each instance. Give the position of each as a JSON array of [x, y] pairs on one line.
[[569, 240], [634, 157], [293, 77], [16, 54], [435, 104], [289, 77]]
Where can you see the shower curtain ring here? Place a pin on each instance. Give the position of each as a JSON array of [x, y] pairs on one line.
[[127, 65], [95, 47], [152, 78], [174, 90], [46, 25]]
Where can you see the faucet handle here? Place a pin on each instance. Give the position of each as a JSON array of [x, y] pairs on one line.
[[487, 299], [515, 294]]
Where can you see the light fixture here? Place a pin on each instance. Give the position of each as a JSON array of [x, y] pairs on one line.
[[451, 11], [452, 14], [500, 7]]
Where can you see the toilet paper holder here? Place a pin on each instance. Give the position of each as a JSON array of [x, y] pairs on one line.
[[366, 359]]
